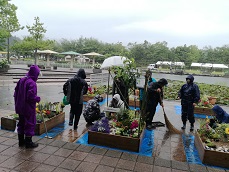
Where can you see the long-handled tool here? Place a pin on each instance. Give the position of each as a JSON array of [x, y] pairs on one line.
[[47, 136], [171, 128]]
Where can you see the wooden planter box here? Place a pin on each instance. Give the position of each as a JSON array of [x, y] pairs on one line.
[[210, 157], [114, 141], [10, 124], [87, 98], [132, 103], [52, 122], [205, 111]]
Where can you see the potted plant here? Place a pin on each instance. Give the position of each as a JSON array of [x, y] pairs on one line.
[[96, 68], [4, 66]]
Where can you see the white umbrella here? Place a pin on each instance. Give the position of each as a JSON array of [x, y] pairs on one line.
[[113, 61]]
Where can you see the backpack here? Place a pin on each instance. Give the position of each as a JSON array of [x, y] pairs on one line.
[[67, 90]]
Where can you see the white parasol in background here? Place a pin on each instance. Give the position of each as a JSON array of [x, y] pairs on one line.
[[113, 61]]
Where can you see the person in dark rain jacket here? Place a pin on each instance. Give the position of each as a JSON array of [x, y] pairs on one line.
[[154, 96], [190, 96], [25, 98], [75, 88], [221, 115], [91, 112]]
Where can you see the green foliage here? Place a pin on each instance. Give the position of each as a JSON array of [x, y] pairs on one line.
[[3, 63]]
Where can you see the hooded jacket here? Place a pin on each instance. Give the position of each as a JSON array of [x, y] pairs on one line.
[[221, 115], [189, 92], [78, 87], [25, 95], [120, 103]]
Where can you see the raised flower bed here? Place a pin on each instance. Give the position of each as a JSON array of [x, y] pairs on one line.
[[213, 144], [205, 106], [53, 115], [93, 91], [121, 130]]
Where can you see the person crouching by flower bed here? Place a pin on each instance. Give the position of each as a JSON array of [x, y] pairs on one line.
[[25, 97], [221, 115], [91, 112]]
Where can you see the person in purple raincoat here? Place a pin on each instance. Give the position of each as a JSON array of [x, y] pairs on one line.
[[25, 97]]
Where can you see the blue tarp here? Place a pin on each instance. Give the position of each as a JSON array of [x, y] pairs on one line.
[[146, 147], [178, 112]]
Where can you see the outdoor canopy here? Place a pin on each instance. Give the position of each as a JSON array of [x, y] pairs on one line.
[[209, 65], [170, 63]]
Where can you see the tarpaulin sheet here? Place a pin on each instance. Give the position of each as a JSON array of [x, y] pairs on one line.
[[146, 147], [178, 112]]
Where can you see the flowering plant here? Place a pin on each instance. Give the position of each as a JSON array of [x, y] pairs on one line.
[[93, 91], [96, 66], [204, 102]]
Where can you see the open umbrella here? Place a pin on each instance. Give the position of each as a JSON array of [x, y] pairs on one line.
[[93, 54], [71, 53], [113, 61], [48, 52]]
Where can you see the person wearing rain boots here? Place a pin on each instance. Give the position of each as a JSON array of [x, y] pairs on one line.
[[154, 96], [190, 96], [74, 89], [25, 98]]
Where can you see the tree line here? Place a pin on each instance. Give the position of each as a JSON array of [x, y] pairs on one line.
[[143, 53]]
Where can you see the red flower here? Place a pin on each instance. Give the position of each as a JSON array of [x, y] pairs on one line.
[[48, 112]]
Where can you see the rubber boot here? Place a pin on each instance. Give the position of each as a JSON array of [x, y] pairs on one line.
[[29, 143], [21, 139], [192, 128], [71, 117], [184, 126]]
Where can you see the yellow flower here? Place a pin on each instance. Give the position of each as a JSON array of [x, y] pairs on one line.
[[227, 130]]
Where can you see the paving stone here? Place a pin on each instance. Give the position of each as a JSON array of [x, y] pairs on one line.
[[125, 164], [36, 138], [77, 155], [86, 167], [45, 141], [139, 167], [3, 158], [70, 164], [109, 161], [3, 147], [102, 168], [11, 163], [57, 143], [39, 157], [44, 168], [121, 170], [99, 151], [63, 152], [179, 165], [85, 148], [10, 142], [128, 156], [161, 169], [61, 170], [24, 154], [93, 158], [113, 153], [211, 169], [175, 170], [10, 135], [3, 132], [27, 166], [40, 146], [196, 167], [162, 162], [54, 160], [3, 139], [71, 146], [11, 151], [5, 169], [49, 149], [145, 159]]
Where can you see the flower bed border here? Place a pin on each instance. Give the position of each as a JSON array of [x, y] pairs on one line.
[[211, 157], [115, 141], [132, 103], [205, 111], [10, 124]]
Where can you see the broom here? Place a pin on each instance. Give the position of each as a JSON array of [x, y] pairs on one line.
[[170, 126]]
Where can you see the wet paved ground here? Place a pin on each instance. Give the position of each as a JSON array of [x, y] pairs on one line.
[[63, 154]]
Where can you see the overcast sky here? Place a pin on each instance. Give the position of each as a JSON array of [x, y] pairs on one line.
[[178, 22]]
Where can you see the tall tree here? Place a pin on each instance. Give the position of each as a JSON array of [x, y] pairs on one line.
[[37, 32], [9, 21]]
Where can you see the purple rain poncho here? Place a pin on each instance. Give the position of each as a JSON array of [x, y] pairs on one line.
[[25, 98]]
